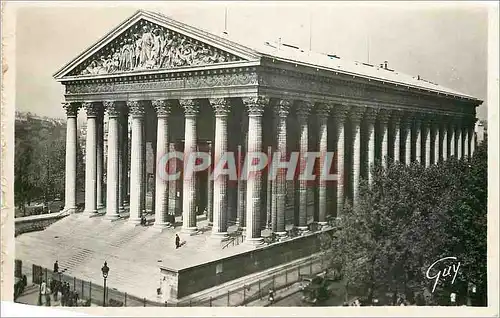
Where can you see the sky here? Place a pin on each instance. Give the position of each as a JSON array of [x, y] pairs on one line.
[[444, 43]]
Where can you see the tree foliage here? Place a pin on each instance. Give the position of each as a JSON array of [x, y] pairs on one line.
[[409, 217], [39, 165]]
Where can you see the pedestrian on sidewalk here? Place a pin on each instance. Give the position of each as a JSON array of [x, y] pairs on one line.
[[271, 296], [56, 267], [43, 290], [453, 299], [177, 241]]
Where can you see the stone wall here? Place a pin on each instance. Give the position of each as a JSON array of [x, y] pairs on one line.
[[195, 279], [35, 222]]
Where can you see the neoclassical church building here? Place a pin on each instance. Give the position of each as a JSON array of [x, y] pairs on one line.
[[167, 86]]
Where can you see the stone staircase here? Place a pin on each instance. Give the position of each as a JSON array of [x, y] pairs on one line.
[[134, 253]]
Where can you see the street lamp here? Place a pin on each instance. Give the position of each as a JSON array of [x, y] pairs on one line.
[[105, 271]]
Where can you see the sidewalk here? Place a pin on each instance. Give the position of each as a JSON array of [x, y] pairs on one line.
[[278, 295], [30, 297]]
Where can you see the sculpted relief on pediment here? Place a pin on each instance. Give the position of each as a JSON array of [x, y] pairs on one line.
[[148, 46]]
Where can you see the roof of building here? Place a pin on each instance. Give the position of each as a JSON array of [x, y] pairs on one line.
[[280, 52], [334, 63]]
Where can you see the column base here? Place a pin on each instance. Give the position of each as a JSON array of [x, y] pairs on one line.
[[303, 229], [121, 209], [70, 210], [218, 236], [89, 213], [112, 217], [134, 221], [160, 227], [254, 241], [100, 206], [189, 230]]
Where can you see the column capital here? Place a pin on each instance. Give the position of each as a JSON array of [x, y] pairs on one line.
[[470, 122], [93, 108], [356, 114], [384, 115], [282, 108], [162, 107], [255, 105], [397, 116], [323, 109], [340, 113], [191, 107], [303, 109], [113, 108], [221, 106], [371, 114], [136, 108], [71, 109]]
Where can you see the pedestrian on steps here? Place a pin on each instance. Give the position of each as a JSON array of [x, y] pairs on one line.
[[177, 241]]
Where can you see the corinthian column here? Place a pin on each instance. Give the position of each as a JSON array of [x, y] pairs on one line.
[[406, 137], [465, 133], [435, 142], [71, 147], [162, 108], [460, 141], [281, 112], [340, 114], [100, 158], [123, 159], [136, 112], [112, 170], [221, 108], [472, 138], [370, 119], [383, 118], [396, 119], [91, 159], [191, 109], [303, 110], [443, 140], [451, 134], [322, 112], [255, 106], [418, 141], [426, 155], [356, 116]]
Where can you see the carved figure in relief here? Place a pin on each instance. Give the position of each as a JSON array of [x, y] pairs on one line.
[[137, 51], [127, 56], [155, 50], [146, 46]]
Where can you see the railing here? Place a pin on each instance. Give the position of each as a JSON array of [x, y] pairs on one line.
[[234, 240], [259, 290], [92, 293]]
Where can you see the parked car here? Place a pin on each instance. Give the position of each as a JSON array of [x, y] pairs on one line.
[[316, 289]]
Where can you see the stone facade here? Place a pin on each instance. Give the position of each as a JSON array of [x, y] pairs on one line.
[[219, 96]]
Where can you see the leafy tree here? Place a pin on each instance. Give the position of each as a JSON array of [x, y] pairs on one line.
[[408, 218], [39, 160]]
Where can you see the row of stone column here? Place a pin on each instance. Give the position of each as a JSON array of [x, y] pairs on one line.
[[404, 137]]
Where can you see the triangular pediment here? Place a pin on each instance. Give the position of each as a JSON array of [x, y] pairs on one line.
[[149, 41]]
